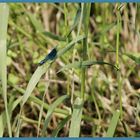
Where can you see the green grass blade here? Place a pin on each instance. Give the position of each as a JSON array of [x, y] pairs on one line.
[[40, 102], [39, 28], [54, 36], [33, 81], [134, 57], [20, 30], [113, 124], [85, 64], [41, 109], [76, 21], [4, 12], [39, 119], [3, 115], [70, 45], [2, 123], [86, 18], [60, 126], [51, 110], [14, 104], [35, 22], [76, 118]]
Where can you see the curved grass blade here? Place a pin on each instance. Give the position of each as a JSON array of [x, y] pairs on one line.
[[76, 118], [105, 29], [113, 124], [59, 38], [54, 36], [134, 57], [39, 28], [83, 64], [4, 13], [60, 126], [33, 81], [51, 110], [3, 115]]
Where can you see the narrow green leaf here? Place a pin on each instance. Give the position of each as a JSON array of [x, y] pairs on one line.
[[76, 21], [76, 118], [2, 123], [59, 38], [35, 22], [51, 110], [39, 28], [40, 102], [107, 27], [33, 81], [83, 64], [54, 36], [4, 13], [134, 57], [3, 115], [86, 16], [70, 45], [60, 126], [113, 124]]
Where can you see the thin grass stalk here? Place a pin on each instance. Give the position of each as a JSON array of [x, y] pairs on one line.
[[41, 109], [4, 13], [86, 14], [117, 59], [117, 39], [65, 17], [67, 40], [73, 56], [94, 98]]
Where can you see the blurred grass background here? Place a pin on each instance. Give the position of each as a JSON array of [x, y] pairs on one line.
[[34, 29]]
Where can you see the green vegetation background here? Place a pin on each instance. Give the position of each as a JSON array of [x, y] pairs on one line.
[[90, 89]]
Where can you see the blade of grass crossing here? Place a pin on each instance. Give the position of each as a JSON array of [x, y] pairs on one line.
[[76, 118], [70, 45], [84, 64], [113, 124], [4, 12], [51, 110], [33, 81], [40, 102], [135, 57]]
